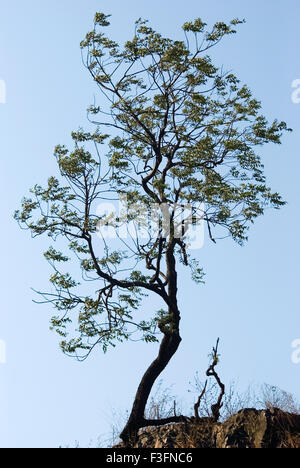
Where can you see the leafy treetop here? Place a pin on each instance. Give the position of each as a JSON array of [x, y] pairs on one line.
[[172, 128]]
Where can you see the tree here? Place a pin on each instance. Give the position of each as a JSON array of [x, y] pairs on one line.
[[176, 131]]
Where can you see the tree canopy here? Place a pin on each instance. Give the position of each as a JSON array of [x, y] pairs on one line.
[[171, 129]]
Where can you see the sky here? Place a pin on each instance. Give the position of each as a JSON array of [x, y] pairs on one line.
[[251, 296]]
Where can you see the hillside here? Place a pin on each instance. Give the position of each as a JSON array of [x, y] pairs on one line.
[[249, 428]]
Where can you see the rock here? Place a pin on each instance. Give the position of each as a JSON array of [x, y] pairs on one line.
[[249, 428]]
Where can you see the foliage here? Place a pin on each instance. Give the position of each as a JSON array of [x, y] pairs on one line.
[[172, 130]]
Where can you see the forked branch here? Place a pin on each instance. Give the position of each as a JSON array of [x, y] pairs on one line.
[[197, 404], [211, 372]]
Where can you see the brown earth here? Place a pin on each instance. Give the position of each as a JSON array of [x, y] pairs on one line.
[[249, 428]]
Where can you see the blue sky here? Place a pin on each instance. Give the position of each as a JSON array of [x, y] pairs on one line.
[[251, 296]]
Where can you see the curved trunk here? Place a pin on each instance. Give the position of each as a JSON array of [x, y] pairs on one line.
[[168, 348]]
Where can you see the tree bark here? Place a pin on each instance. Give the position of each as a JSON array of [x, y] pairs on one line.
[[168, 348]]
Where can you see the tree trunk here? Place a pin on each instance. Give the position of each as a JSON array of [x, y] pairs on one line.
[[168, 348]]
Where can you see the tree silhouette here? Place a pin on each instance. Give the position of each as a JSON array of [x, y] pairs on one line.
[[172, 130]]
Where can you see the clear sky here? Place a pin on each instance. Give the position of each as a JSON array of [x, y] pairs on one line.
[[251, 296]]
